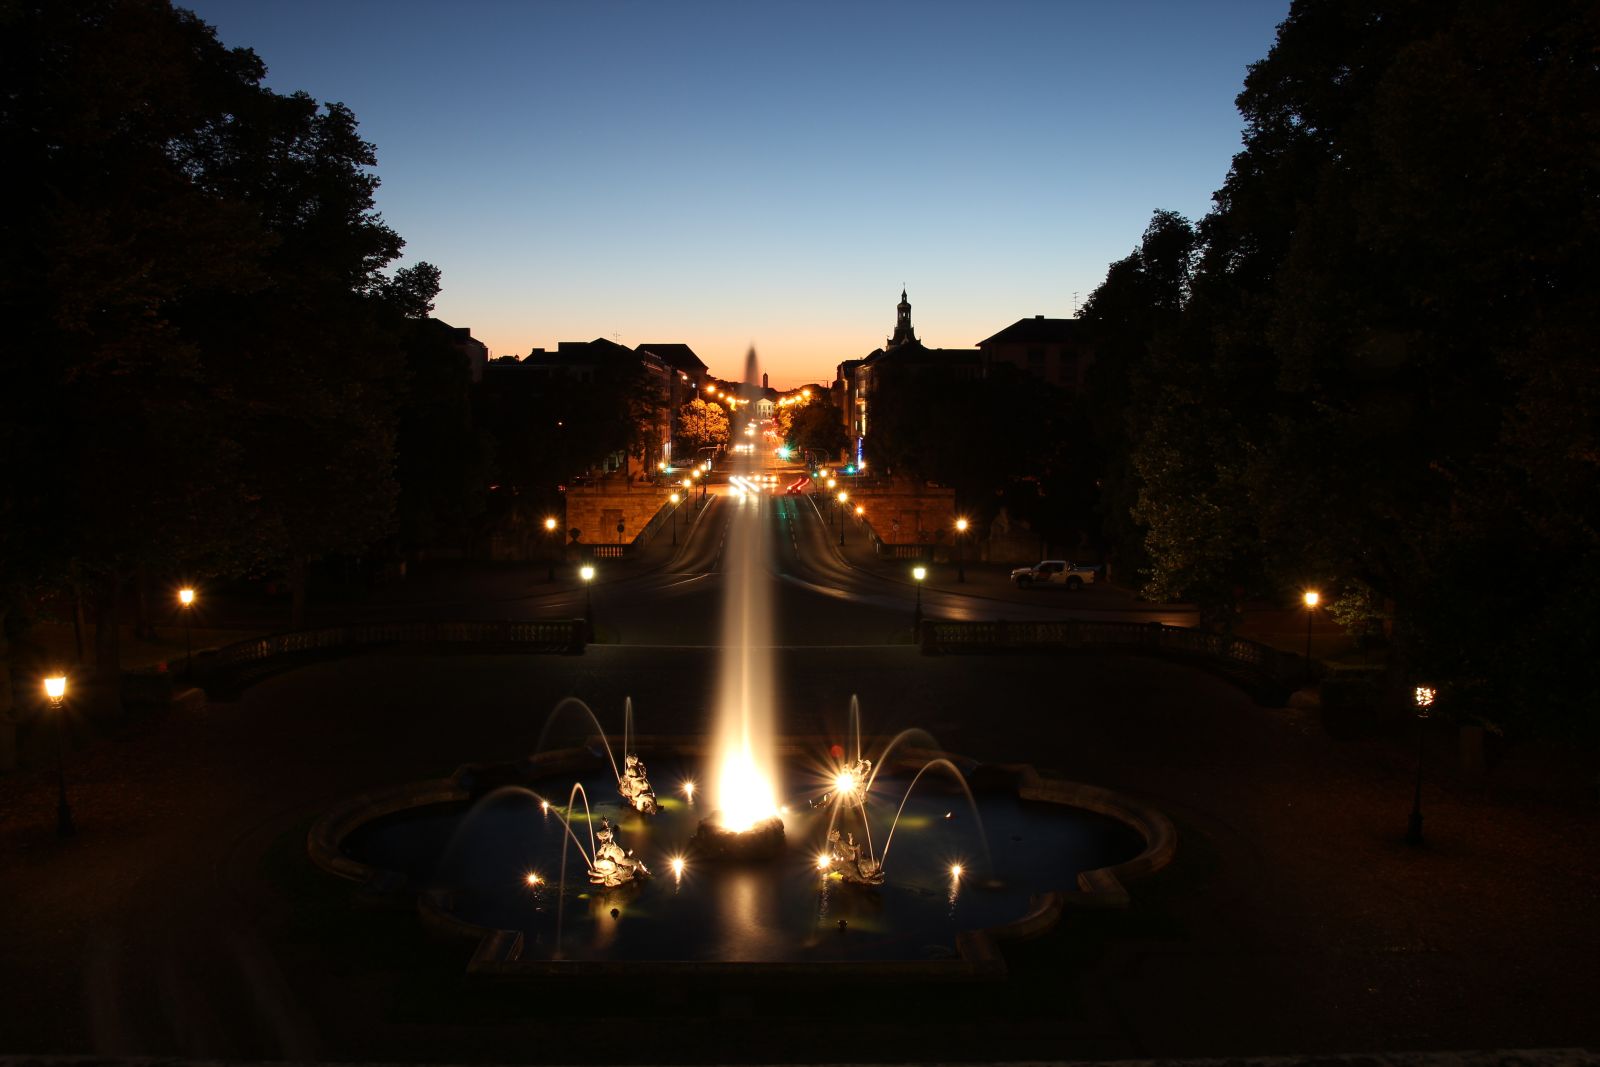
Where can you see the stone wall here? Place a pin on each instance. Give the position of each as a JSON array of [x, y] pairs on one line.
[[906, 513], [594, 510]]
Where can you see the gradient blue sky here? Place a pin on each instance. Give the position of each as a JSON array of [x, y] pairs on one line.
[[769, 174]]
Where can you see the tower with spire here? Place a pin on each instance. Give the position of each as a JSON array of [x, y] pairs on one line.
[[903, 333]]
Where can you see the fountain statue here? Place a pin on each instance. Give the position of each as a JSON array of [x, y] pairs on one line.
[[612, 865], [634, 785], [849, 784], [844, 856]]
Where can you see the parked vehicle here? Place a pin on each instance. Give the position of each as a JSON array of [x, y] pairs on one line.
[[1056, 572]]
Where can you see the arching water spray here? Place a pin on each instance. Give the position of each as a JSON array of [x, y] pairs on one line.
[[566, 821], [600, 731], [972, 803]]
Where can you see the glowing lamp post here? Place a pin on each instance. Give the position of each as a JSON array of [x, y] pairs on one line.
[[550, 537], [587, 574], [961, 555], [843, 499], [1424, 697], [918, 573], [674, 498], [55, 690], [1311, 598], [186, 600]]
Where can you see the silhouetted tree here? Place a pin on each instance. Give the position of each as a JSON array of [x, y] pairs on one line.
[[1383, 376], [1139, 302], [206, 363]]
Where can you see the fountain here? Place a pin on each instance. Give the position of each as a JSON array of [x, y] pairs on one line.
[[487, 851], [744, 822]]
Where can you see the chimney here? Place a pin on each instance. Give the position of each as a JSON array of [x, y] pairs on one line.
[[1038, 316]]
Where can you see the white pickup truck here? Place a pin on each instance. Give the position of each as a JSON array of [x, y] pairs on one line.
[[1055, 572]]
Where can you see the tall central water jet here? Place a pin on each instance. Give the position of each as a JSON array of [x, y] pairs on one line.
[[744, 768]]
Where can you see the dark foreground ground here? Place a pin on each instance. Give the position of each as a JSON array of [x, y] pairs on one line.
[[184, 919]]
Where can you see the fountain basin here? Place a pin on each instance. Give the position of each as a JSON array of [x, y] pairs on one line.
[[463, 845], [713, 842]]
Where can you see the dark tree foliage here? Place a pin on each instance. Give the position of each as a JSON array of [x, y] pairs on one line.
[[1384, 381], [206, 359], [547, 429], [816, 427], [1138, 304]]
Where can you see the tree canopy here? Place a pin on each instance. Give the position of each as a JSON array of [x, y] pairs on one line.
[[702, 424], [206, 360], [1381, 381]]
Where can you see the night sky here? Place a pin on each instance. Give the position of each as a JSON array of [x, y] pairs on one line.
[[770, 174]]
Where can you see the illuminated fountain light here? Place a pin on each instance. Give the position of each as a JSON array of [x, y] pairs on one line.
[[745, 821]]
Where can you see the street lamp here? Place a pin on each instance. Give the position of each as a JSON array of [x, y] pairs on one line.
[[961, 556], [550, 536], [842, 498], [674, 498], [918, 573], [586, 572], [1424, 697], [1311, 598], [186, 600], [55, 689]]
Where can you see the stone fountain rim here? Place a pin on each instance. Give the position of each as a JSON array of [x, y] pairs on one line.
[[498, 953]]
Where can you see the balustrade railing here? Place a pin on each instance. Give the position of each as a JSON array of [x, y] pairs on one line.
[[238, 663]]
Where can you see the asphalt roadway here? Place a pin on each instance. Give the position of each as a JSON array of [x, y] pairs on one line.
[[185, 920]]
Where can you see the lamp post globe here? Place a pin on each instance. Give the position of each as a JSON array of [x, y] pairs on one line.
[[55, 691], [550, 548], [186, 601], [1311, 598], [961, 555], [918, 574], [586, 572], [1424, 697]]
